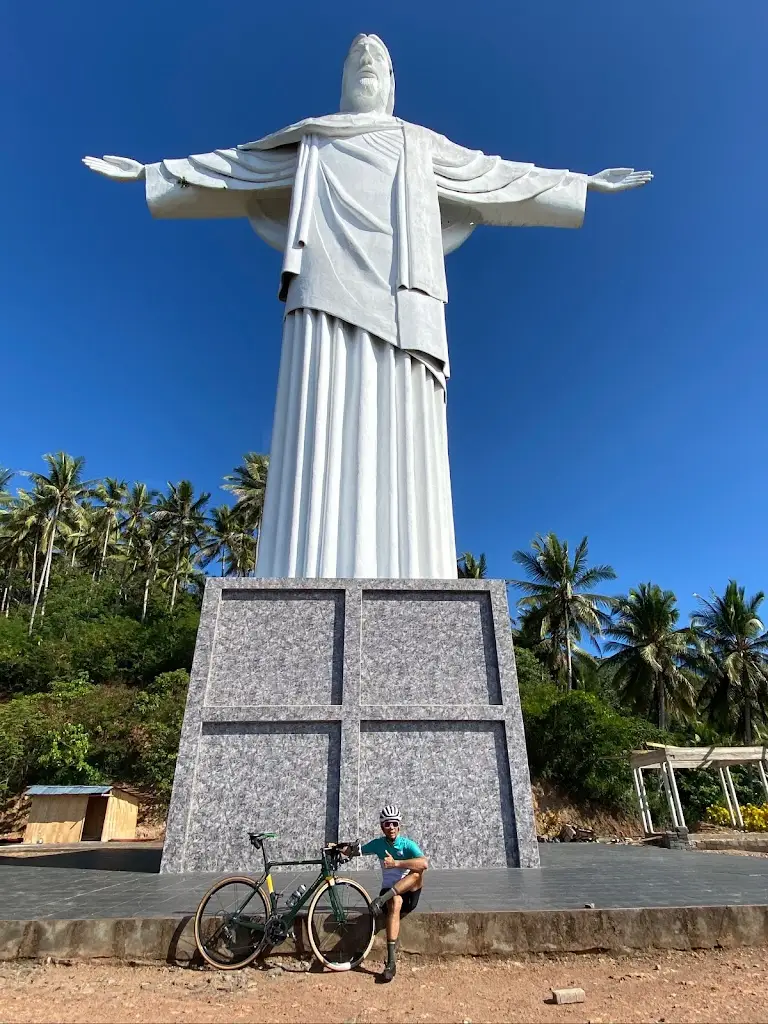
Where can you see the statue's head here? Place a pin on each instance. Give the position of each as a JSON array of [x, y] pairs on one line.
[[368, 85]]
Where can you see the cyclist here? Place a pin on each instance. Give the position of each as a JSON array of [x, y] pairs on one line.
[[402, 877]]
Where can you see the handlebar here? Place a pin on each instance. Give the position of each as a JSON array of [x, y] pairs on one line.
[[344, 851]]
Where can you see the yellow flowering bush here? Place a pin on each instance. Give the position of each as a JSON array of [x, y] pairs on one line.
[[755, 818], [718, 815]]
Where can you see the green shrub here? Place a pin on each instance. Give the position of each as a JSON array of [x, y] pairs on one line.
[[582, 745], [159, 711], [64, 757], [78, 732], [83, 634], [23, 728]]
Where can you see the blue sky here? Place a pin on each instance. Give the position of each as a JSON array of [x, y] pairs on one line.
[[609, 381]]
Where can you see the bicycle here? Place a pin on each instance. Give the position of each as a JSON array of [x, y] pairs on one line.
[[246, 923]]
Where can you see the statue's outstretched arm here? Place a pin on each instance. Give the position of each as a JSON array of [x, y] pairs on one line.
[[617, 179], [119, 168]]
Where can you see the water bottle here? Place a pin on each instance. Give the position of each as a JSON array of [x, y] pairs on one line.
[[296, 896]]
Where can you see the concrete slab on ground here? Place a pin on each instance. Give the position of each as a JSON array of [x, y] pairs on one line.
[[112, 902], [124, 883]]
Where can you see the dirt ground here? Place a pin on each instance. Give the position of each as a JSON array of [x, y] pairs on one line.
[[707, 986]]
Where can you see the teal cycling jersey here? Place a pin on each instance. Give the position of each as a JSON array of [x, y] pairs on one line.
[[401, 848]]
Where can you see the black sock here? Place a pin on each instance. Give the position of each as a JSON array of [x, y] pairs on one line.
[[391, 952]]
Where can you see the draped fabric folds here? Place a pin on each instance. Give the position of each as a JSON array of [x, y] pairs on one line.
[[358, 480], [363, 208]]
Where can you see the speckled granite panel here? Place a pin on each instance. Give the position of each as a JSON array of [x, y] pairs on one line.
[[428, 647], [451, 782], [273, 777], [520, 780], [350, 730], [312, 701], [278, 647], [177, 825]]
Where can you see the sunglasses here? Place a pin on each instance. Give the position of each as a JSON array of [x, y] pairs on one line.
[[386, 824]]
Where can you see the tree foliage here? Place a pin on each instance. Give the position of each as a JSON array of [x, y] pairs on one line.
[[559, 604], [155, 544], [649, 654], [581, 744], [100, 588], [471, 568], [732, 659]]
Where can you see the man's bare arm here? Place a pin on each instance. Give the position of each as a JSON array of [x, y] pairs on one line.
[[417, 864]]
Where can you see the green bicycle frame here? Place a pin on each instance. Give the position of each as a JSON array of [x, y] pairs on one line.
[[327, 874]]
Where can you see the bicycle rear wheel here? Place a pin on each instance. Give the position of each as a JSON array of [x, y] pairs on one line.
[[229, 923], [340, 924]]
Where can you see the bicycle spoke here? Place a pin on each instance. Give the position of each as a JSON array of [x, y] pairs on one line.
[[229, 925], [341, 925]]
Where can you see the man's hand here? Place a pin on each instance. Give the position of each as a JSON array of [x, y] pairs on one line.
[[119, 168], [389, 861], [618, 179]]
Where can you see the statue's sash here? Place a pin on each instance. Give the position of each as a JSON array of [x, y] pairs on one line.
[[421, 265]]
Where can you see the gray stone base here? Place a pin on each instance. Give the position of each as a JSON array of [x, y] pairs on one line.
[[315, 702]]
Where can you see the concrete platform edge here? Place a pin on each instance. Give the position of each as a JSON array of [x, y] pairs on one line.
[[471, 933]]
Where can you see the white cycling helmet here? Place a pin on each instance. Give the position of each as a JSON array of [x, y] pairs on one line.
[[390, 813]]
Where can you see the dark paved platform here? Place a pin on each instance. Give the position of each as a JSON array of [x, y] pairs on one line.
[[125, 883]]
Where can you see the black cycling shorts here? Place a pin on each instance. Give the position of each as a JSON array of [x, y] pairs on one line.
[[410, 900]]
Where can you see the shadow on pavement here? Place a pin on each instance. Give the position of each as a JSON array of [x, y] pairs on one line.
[[90, 860]]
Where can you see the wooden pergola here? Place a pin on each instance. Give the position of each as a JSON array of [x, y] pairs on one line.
[[667, 759]]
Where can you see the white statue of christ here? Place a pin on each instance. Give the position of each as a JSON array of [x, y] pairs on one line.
[[363, 207]]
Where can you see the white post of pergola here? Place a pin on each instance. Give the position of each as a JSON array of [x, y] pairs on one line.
[[727, 796], [734, 798], [639, 799], [670, 798], [763, 779], [645, 807], [676, 795]]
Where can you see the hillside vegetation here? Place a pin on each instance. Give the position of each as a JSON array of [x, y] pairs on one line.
[[100, 589]]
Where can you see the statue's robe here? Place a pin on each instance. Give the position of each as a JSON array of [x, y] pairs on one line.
[[363, 208]]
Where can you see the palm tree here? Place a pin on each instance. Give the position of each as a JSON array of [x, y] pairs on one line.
[[650, 654], [108, 516], [248, 483], [732, 658], [471, 568], [147, 553], [230, 541], [181, 516], [138, 505], [23, 524], [6, 475], [557, 593], [137, 509], [57, 496]]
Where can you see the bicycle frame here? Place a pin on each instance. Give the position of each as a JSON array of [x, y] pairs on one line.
[[327, 874]]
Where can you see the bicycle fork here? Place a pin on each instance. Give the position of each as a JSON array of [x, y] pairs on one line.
[[339, 913]]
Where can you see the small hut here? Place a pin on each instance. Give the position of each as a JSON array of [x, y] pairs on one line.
[[71, 814]]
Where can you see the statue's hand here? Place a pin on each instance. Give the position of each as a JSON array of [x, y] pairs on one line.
[[119, 168], [618, 179]]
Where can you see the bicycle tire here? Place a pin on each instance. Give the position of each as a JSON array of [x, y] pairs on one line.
[[359, 935], [250, 950]]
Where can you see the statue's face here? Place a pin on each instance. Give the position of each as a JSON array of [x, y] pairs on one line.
[[366, 83]]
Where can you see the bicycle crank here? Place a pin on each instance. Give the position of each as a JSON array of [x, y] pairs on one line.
[[275, 931]]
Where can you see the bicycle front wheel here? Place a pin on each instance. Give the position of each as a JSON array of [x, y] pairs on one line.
[[229, 923], [340, 924]]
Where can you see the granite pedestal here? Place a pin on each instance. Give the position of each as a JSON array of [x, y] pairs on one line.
[[313, 703]]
